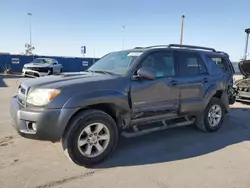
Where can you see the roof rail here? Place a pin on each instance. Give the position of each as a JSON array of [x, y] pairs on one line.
[[191, 46], [224, 53], [139, 47], [163, 45]]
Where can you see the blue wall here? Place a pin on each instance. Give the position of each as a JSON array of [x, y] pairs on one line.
[[70, 64]]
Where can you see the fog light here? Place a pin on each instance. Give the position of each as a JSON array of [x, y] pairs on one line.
[[31, 126], [34, 126]]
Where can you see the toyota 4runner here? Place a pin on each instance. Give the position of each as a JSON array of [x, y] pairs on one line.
[[125, 92]]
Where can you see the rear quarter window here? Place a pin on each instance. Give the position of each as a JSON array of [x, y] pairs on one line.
[[219, 62]]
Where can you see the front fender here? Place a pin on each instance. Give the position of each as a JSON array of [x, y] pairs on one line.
[[119, 99]]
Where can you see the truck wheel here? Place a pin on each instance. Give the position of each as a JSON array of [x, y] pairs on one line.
[[91, 137], [212, 117]]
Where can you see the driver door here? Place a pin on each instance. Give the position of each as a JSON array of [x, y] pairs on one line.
[[158, 98]]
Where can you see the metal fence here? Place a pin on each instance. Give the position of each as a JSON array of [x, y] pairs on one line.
[[70, 64]]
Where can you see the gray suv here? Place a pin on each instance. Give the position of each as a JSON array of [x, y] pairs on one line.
[[125, 92]]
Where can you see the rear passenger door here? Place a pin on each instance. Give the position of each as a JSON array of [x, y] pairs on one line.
[[192, 79]]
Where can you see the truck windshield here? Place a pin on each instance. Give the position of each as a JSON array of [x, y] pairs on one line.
[[115, 62]]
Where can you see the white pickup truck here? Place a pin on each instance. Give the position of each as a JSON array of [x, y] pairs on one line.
[[42, 67]]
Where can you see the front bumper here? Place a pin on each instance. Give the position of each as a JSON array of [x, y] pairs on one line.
[[32, 73], [50, 123], [243, 96]]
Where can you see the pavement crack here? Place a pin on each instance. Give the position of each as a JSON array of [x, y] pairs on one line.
[[159, 183], [66, 180], [6, 140]]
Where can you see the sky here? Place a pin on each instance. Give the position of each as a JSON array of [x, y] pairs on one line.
[[61, 27]]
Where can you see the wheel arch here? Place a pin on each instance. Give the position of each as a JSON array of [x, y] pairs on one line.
[[212, 91], [109, 108]]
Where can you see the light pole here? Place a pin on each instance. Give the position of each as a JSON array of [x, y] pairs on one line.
[[247, 38], [182, 27], [29, 14], [123, 31]]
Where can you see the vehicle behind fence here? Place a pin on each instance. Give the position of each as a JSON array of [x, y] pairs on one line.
[[70, 64]]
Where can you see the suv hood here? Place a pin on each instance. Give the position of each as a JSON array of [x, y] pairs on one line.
[[27, 65], [244, 67], [65, 80]]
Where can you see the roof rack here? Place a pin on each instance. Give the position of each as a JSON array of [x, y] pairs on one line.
[[182, 46], [156, 46], [191, 46], [224, 53]]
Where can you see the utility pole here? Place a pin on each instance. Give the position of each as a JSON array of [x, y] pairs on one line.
[[94, 55], [123, 32], [247, 31], [29, 14], [182, 27]]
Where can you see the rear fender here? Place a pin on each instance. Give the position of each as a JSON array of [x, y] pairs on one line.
[[211, 91]]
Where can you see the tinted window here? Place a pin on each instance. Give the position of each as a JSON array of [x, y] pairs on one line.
[[220, 62], [162, 62], [190, 64]]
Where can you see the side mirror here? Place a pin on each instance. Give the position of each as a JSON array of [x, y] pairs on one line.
[[147, 73]]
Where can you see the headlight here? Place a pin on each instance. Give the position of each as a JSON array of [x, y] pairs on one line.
[[40, 97]]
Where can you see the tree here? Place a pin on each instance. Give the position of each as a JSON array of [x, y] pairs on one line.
[[29, 49]]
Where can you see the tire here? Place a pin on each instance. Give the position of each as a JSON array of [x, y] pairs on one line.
[[79, 125], [60, 71], [51, 71], [202, 120]]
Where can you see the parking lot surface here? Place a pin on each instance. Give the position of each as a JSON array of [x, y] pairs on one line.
[[176, 158]]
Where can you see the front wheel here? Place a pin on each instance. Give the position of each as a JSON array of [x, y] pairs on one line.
[[211, 119], [91, 137], [51, 71]]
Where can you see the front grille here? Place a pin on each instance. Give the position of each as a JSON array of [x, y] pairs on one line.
[[21, 95], [245, 89], [21, 101], [22, 90], [39, 69]]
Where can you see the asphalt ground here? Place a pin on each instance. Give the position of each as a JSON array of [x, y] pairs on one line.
[[177, 158]]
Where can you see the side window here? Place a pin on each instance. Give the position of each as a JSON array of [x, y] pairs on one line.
[[190, 64], [220, 62], [162, 62]]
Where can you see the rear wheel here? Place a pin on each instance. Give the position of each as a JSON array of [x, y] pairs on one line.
[[91, 137], [212, 117]]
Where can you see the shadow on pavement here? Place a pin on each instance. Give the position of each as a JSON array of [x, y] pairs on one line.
[[180, 143], [2, 77]]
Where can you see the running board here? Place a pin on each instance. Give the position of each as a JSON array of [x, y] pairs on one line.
[[139, 130]]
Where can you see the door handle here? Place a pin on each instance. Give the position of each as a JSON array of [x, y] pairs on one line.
[[173, 83], [205, 80]]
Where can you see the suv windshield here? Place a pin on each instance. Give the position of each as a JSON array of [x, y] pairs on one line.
[[42, 61], [115, 62]]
